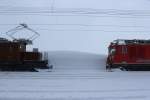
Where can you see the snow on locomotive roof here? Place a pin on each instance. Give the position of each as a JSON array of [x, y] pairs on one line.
[[20, 41], [134, 41], [3, 40]]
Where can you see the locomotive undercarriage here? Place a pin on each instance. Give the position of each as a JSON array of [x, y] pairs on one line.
[[130, 67], [23, 66]]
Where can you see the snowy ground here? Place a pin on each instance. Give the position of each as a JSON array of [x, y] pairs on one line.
[[67, 82]]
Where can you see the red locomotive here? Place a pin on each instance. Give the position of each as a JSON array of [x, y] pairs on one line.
[[15, 57], [129, 54]]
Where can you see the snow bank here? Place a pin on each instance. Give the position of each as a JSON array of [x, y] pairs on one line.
[[76, 60], [73, 83]]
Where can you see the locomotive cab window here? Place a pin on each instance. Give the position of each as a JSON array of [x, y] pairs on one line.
[[124, 50]]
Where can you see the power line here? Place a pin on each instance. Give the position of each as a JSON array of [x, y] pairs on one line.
[[84, 25], [9, 8], [52, 5], [88, 30], [82, 12], [77, 15], [94, 30]]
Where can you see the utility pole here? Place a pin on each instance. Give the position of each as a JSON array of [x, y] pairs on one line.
[[52, 6]]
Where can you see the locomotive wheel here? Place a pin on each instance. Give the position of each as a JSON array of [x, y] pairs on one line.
[[108, 68], [124, 68]]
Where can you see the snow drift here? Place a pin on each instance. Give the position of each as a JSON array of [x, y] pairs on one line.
[[76, 60]]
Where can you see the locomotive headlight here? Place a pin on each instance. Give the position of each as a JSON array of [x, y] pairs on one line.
[[112, 51], [124, 62]]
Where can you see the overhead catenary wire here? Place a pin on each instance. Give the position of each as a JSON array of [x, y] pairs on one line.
[[75, 13], [72, 9], [123, 31], [82, 29], [93, 30], [83, 25], [88, 12], [90, 16], [78, 12]]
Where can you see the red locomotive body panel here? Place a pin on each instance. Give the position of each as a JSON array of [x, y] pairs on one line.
[[130, 54]]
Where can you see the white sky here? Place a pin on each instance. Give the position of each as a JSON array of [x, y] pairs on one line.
[[85, 41]]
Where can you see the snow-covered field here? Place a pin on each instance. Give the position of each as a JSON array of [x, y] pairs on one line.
[[76, 76]]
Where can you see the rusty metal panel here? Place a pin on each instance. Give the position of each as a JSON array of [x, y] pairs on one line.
[[9, 51], [33, 56]]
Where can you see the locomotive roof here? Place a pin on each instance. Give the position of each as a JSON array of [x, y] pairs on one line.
[[4, 40], [19, 41], [134, 41]]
